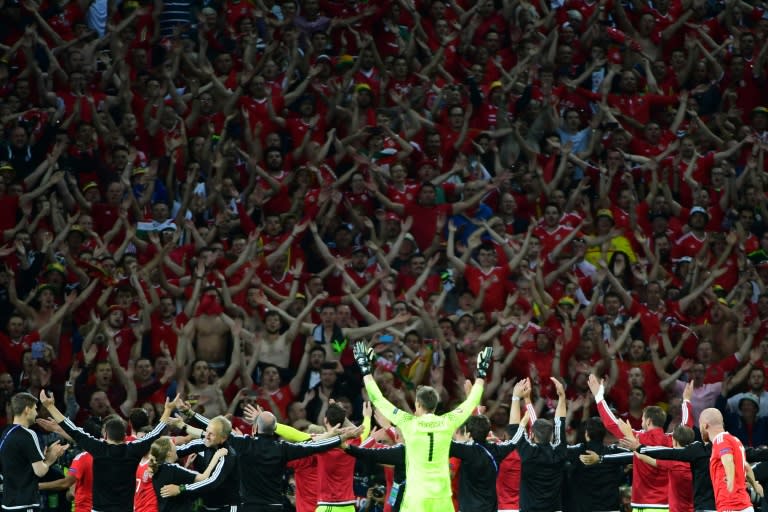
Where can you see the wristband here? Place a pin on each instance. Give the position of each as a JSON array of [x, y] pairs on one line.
[[515, 398], [182, 488], [600, 394]]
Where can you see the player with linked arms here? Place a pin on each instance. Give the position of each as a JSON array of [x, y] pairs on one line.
[[427, 435]]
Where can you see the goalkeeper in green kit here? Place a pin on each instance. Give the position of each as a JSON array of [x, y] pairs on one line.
[[427, 437]]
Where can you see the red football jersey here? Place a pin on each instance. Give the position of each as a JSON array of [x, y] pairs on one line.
[[649, 484], [726, 444], [680, 484], [82, 469], [307, 483], [510, 470], [145, 499], [335, 470]]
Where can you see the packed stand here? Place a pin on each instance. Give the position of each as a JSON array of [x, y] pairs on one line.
[[217, 199]]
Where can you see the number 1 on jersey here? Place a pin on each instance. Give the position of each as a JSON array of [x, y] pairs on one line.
[[431, 445]]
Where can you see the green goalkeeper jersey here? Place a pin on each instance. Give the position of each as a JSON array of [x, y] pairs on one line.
[[427, 443]]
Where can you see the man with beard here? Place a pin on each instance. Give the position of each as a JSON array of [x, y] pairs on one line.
[[358, 269], [131, 134], [649, 483], [356, 274], [277, 278], [409, 274]]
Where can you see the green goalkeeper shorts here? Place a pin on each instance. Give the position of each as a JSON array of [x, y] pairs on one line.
[[426, 505], [335, 508]]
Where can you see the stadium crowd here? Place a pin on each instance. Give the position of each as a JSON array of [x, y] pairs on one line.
[[217, 198]]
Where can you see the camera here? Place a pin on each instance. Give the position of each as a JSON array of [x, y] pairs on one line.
[[378, 491]]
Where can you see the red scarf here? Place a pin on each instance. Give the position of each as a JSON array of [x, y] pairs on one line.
[[209, 306]]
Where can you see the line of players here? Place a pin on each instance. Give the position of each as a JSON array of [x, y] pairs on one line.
[[233, 471]]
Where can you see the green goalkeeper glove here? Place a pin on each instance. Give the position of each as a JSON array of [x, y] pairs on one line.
[[484, 359]]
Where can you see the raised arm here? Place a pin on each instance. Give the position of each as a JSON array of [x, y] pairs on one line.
[[456, 262], [125, 378], [298, 379], [609, 420], [363, 357]]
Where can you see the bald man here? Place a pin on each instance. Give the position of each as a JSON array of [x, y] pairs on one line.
[[262, 461], [728, 467]]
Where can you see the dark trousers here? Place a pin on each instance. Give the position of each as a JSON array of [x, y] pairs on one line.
[[260, 508]]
